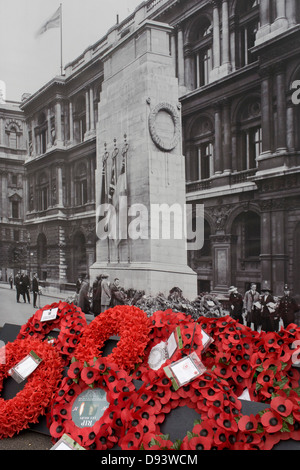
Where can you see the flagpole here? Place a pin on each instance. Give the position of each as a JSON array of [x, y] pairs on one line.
[[61, 48]]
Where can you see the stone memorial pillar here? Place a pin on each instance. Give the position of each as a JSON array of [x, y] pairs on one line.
[[139, 131]]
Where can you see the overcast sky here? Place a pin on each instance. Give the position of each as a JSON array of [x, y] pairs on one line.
[[28, 62]]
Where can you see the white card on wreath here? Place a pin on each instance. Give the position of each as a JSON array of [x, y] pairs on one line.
[[25, 367], [50, 314]]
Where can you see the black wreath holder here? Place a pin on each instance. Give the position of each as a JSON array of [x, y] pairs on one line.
[[164, 144]]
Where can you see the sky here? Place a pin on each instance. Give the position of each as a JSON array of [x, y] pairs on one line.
[[28, 62]]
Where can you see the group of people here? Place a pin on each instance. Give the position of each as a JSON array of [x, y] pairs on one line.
[[263, 310], [102, 295], [24, 286]]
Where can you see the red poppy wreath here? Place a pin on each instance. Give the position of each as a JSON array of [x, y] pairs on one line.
[[129, 323], [209, 395], [69, 319], [32, 401], [77, 408], [163, 324]]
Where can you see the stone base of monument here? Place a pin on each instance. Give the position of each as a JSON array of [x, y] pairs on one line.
[[153, 278]]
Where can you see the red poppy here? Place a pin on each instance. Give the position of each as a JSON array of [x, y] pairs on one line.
[[282, 406], [266, 377], [248, 423], [196, 443], [271, 421]]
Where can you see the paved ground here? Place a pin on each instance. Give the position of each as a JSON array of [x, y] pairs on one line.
[[18, 314]]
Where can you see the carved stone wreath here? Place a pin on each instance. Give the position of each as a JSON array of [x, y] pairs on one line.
[[165, 144]]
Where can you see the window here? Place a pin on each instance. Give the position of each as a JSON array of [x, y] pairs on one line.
[[251, 147], [13, 138], [203, 66], [43, 192], [79, 120], [248, 14], [41, 134], [200, 40], [249, 133], [15, 209], [81, 185], [205, 161]]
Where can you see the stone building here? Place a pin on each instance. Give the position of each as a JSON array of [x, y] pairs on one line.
[[60, 174], [14, 253], [237, 64]]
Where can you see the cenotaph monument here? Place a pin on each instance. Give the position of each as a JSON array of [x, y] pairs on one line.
[[140, 176]]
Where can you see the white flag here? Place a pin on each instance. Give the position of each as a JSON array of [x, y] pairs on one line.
[[52, 22]]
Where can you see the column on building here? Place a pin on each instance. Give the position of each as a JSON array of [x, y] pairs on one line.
[[281, 22], [227, 166], [189, 69], [266, 110], [290, 126], [49, 138], [87, 110], [71, 123], [180, 56], [2, 131], [281, 108], [226, 63], [218, 168], [216, 41], [33, 137], [59, 184], [265, 20], [279, 257], [291, 12], [266, 243], [92, 113], [58, 130]]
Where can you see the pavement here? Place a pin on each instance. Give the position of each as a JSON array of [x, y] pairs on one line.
[[18, 314]]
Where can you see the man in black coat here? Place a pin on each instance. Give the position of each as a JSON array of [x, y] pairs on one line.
[[35, 289], [287, 307], [18, 286], [236, 304], [267, 310]]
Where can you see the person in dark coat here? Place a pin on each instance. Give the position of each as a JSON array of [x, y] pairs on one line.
[[252, 307], [83, 297], [35, 289], [267, 310], [236, 304], [18, 286], [287, 307], [26, 287], [117, 296], [97, 295]]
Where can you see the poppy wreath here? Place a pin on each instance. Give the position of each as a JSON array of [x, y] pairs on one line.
[[69, 320], [32, 401], [130, 323], [163, 324], [208, 395], [261, 362], [105, 433]]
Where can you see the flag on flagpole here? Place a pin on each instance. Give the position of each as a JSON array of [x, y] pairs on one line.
[[53, 22]]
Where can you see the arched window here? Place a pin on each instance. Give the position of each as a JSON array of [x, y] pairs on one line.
[[41, 134], [200, 42], [247, 12], [79, 119], [81, 184], [13, 138], [249, 134], [201, 148], [43, 192]]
